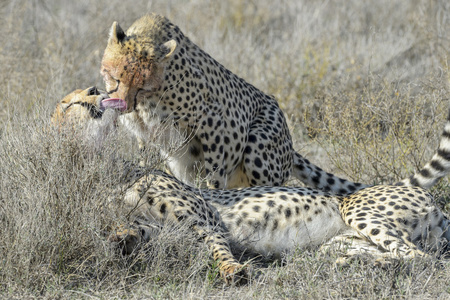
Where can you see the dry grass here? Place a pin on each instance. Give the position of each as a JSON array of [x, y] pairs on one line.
[[365, 83]]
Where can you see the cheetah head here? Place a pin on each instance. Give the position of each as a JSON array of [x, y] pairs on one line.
[[89, 110], [134, 62], [81, 106]]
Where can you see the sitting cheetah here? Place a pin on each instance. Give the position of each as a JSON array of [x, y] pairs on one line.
[[384, 221], [232, 133], [229, 131]]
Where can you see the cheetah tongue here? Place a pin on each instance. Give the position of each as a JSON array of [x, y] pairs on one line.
[[115, 103]]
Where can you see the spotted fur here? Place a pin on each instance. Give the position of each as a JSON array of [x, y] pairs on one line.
[[227, 130], [79, 107], [81, 111], [209, 121], [385, 221]]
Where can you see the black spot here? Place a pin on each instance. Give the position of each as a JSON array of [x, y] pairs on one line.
[[252, 138], [162, 209], [375, 231], [288, 213], [381, 207], [258, 162], [342, 191], [194, 151], [361, 226], [275, 225], [271, 203], [425, 173]]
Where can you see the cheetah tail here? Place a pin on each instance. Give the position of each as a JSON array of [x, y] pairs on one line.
[[315, 177], [437, 167]]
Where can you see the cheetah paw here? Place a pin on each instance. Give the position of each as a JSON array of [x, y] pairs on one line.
[[236, 273], [126, 239]]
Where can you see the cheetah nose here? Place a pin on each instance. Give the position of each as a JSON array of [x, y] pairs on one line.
[[93, 91]]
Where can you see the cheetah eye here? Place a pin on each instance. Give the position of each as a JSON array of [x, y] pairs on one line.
[[94, 112], [93, 91]]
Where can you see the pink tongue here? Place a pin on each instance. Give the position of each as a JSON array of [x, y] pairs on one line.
[[115, 103]]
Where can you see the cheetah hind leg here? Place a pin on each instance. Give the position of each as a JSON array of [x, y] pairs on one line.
[[351, 245]]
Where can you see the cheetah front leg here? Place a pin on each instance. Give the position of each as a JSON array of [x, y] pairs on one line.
[[230, 269], [163, 199], [130, 238]]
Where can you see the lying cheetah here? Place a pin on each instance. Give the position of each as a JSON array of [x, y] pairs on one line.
[[87, 110], [384, 221], [86, 107]]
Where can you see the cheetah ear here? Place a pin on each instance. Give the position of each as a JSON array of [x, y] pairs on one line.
[[116, 34], [169, 48]]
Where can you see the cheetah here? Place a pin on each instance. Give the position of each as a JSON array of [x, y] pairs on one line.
[[392, 221], [227, 130], [86, 111], [385, 221], [85, 106]]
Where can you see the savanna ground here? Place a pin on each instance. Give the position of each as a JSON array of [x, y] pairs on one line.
[[365, 85]]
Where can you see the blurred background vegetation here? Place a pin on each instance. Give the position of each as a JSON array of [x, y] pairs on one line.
[[364, 84]]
